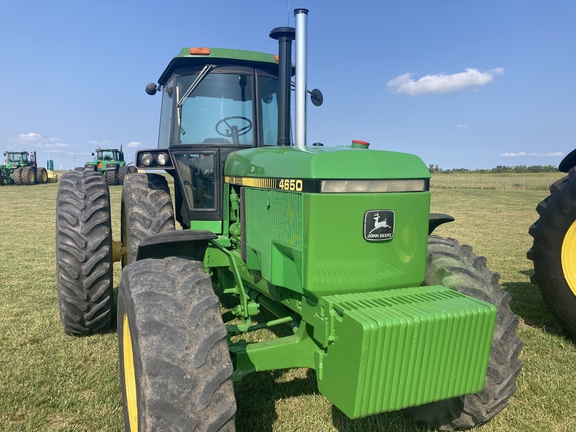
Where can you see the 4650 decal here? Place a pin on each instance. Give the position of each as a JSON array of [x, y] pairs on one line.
[[295, 185], [291, 184]]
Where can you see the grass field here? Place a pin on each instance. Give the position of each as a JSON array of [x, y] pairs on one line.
[[53, 382]]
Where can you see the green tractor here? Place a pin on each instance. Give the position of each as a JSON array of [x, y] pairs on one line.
[[110, 163], [21, 168], [333, 243], [553, 251]]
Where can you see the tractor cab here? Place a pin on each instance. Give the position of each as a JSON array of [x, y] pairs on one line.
[[214, 101], [108, 155], [15, 157]]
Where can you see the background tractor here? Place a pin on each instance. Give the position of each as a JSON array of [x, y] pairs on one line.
[[329, 247], [554, 249], [21, 168], [110, 163]]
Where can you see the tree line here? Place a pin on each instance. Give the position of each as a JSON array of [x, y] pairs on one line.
[[500, 169]]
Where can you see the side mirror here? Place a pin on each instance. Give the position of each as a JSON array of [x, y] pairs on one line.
[[316, 97], [151, 89]]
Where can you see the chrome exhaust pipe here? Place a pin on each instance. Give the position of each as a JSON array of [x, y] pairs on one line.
[[301, 18]]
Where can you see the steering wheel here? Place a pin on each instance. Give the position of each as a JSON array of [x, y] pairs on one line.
[[234, 130]]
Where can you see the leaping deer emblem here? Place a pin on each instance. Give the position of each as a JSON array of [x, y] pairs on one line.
[[378, 224]]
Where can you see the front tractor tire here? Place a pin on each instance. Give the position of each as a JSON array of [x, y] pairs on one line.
[[455, 266], [146, 210], [84, 253], [554, 251], [175, 368]]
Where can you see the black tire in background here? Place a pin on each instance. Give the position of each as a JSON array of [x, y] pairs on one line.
[[554, 251], [146, 210], [28, 176], [111, 177], [17, 176], [455, 266], [41, 175], [175, 367], [84, 253], [122, 172]]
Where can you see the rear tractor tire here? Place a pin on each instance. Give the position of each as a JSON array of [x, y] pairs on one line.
[[28, 176], [84, 253], [122, 173], [554, 251], [175, 368], [146, 210], [111, 177], [41, 175], [17, 176], [455, 266]]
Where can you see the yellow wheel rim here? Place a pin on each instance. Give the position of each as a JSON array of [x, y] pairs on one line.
[[31, 176], [44, 176], [129, 376], [569, 257]]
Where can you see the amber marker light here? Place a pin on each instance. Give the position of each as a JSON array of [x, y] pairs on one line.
[[199, 51]]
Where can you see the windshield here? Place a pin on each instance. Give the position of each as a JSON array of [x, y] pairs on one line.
[[16, 157], [220, 109], [107, 155]]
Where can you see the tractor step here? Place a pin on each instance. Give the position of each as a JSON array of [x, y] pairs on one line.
[[393, 349]]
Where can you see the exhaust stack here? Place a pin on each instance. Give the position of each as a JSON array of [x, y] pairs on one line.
[[284, 36], [301, 18]]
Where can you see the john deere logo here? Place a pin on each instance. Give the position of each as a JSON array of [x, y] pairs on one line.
[[378, 225]]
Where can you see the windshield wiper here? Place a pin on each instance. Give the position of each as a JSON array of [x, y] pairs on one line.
[[199, 78]]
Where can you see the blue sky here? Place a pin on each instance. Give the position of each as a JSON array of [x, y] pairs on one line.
[[459, 83]]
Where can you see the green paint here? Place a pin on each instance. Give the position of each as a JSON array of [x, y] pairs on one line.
[[325, 163], [214, 226], [393, 349]]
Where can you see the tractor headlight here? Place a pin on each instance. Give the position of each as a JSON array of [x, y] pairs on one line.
[[162, 159], [373, 186], [146, 159]]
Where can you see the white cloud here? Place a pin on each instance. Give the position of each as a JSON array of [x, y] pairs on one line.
[[551, 154], [469, 80], [507, 154], [135, 144], [34, 137]]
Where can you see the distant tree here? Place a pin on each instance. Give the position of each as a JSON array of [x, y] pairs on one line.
[[500, 169]]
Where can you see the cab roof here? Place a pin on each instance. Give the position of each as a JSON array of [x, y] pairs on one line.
[[200, 56]]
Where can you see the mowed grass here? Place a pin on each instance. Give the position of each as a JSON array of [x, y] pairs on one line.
[[50, 381]]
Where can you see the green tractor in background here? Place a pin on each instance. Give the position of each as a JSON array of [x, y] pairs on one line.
[[21, 168], [333, 243], [110, 163], [553, 251]]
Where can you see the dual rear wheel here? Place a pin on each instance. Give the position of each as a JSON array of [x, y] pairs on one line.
[[174, 361]]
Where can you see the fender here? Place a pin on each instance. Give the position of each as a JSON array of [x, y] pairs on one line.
[[437, 219], [189, 243]]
